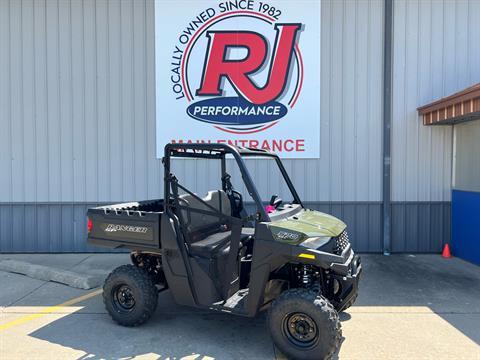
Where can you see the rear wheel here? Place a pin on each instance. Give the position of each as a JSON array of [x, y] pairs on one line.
[[130, 295], [304, 325]]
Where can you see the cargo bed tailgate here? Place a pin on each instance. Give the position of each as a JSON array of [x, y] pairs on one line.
[[134, 225]]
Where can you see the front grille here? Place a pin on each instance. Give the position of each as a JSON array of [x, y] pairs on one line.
[[341, 243]]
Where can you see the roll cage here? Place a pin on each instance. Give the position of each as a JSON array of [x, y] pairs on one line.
[[220, 151]]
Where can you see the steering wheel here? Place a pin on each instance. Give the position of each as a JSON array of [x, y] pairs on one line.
[[275, 201]]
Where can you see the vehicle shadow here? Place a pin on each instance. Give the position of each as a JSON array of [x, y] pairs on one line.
[[174, 332], [448, 288]]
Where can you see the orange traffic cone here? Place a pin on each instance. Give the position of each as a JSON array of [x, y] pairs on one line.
[[446, 252]]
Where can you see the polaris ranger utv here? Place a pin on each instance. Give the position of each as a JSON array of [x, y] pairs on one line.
[[211, 253]]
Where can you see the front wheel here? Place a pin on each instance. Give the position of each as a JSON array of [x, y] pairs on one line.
[[130, 295], [304, 325]]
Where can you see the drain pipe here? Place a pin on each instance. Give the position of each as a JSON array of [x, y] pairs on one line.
[[387, 124]]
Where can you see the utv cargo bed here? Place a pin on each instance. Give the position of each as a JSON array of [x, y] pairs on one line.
[[133, 225]]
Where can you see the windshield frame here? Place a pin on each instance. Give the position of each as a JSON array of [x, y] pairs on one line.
[[283, 171], [220, 151]]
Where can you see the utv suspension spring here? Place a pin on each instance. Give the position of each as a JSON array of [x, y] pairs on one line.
[[307, 276]]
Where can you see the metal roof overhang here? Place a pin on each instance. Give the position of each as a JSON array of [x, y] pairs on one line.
[[460, 107]]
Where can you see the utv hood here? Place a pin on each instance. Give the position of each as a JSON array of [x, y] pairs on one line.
[[306, 224]]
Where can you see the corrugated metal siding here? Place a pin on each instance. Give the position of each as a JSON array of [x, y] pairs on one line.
[[349, 168], [436, 53], [77, 101], [350, 164], [78, 104], [77, 115], [49, 227], [56, 227], [364, 223], [420, 226]]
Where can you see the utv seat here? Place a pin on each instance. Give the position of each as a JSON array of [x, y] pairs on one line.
[[218, 243], [207, 236]]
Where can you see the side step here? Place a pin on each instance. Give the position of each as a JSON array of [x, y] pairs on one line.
[[235, 304]]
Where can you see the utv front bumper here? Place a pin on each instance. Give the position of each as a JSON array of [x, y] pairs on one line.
[[342, 271], [348, 264], [347, 276]]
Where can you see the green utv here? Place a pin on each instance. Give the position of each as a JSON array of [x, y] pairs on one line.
[[219, 253]]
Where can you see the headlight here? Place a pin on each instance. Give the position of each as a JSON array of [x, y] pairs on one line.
[[315, 242]]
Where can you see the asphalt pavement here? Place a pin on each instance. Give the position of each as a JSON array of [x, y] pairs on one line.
[[409, 307]]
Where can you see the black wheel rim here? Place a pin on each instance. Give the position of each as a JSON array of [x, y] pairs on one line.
[[123, 299], [300, 329]]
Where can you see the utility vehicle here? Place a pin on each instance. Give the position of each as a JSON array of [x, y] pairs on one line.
[[220, 253]]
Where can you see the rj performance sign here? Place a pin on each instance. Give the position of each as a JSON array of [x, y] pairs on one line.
[[245, 72]]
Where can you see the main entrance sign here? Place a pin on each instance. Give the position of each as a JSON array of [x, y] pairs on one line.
[[245, 72]]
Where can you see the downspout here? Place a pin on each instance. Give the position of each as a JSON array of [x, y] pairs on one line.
[[387, 124]]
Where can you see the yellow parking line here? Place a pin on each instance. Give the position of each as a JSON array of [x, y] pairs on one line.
[[49, 310]]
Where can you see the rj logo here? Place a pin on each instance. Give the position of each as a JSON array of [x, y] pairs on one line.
[[238, 72]]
